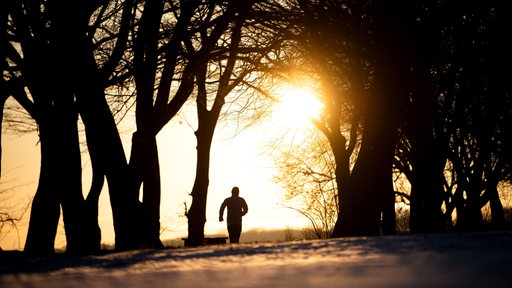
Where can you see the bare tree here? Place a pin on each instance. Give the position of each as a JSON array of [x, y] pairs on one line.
[[37, 57], [307, 173], [233, 61], [43, 58]]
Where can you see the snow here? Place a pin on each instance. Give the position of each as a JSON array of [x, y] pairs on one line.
[[426, 260]]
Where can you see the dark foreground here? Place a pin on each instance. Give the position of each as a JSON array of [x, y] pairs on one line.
[[431, 260]]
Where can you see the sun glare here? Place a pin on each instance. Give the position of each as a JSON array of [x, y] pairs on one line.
[[300, 105]]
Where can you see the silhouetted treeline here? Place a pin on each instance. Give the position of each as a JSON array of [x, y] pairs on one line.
[[420, 87], [455, 144]]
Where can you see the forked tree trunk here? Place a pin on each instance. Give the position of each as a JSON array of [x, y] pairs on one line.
[[60, 184], [103, 134]]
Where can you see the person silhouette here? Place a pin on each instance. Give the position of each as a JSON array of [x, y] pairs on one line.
[[237, 207]]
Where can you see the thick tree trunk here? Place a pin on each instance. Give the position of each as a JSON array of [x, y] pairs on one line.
[[427, 187], [60, 175], [60, 181], [367, 206], [45, 211], [91, 211], [370, 191], [152, 194], [145, 169], [69, 174], [53, 88]]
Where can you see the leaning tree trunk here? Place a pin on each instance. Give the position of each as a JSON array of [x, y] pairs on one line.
[[91, 221], [102, 133], [45, 211]]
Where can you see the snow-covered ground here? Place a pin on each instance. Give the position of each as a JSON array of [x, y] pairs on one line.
[[430, 260]]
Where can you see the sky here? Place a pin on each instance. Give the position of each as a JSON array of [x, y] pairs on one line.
[[241, 160]]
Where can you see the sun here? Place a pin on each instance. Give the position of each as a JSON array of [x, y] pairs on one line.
[[300, 105]]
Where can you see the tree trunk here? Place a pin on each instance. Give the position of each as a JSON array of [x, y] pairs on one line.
[[369, 200], [91, 210], [427, 186], [342, 175], [54, 94], [67, 161], [102, 133], [145, 169], [197, 212], [45, 211], [370, 189], [60, 178]]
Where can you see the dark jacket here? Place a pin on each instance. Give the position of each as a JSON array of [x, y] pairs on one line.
[[237, 207]]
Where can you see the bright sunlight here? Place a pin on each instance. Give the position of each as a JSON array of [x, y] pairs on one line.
[[298, 105]]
